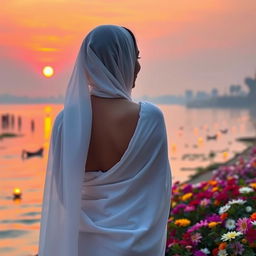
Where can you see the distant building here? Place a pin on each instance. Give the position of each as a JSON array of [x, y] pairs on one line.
[[214, 92], [236, 98], [189, 95], [201, 95]]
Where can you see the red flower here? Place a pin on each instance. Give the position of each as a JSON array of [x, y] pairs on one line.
[[251, 235], [215, 252], [195, 202]]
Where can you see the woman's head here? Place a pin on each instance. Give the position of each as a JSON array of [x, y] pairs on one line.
[[111, 59]]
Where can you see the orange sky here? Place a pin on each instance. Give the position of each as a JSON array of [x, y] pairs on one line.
[[196, 44]]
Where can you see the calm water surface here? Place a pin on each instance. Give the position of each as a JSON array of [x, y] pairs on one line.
[[188, 149]]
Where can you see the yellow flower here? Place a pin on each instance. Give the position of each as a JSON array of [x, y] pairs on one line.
[[215, 189], [253, 185], [213, 224], [205, 187], [182, 222], [230, 235], [186, 196], [212, 182]]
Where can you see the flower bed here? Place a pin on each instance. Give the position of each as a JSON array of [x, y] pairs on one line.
[[216, 217], [243, 169]]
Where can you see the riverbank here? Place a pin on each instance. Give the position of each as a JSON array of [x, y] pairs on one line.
[[204, 174]]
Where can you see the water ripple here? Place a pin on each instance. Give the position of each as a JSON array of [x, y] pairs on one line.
[[23, 221], [12, 233]]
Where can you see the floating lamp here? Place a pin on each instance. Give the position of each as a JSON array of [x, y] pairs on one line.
[[17, 193], [174, 148], [200, 141], [225, 155]]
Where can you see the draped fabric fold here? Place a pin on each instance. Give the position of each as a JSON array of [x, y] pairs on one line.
[[77, 211]]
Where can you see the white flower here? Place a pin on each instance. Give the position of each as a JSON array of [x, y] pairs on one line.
[[253, 222], [224, 208], [245, 190], [222, 253], [236, 176], [230, 235], [248, 208], [230, 224], [236, 201], [205, 250], [197, 185]]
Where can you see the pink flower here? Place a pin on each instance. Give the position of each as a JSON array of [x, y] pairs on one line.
[[189, 208], [196, 238], [198, 225], [243, 224], [205, 202]]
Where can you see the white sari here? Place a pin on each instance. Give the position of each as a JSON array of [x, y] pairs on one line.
[[123, 211]]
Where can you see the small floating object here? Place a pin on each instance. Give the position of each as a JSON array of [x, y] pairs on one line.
[[200, 141], [224, 131], [225, 155], [212, 137], [174, 147], [27, 154], [17, 193]]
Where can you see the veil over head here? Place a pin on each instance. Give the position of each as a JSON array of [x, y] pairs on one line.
[[104, 67]]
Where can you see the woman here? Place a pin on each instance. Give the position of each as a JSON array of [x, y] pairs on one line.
[[107, 189]]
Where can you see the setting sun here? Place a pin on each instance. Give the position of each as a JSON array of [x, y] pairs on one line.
[[48, 71]]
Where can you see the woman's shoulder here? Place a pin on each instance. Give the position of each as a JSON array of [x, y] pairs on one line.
[[59, 116], [152, 110], [58, 121]]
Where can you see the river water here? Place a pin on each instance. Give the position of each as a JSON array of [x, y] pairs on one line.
[[189, 148]]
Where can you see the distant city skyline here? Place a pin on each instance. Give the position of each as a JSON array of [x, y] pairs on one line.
[[186, 96], [196, 45]]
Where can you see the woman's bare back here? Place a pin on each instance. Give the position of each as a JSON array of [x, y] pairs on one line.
[[113, 125]]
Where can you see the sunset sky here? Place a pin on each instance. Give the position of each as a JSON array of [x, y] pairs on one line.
[[184, 44]]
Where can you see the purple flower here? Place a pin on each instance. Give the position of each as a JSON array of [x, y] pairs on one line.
[[199, 253], [213, 218], [178, 208], [237, 248]]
